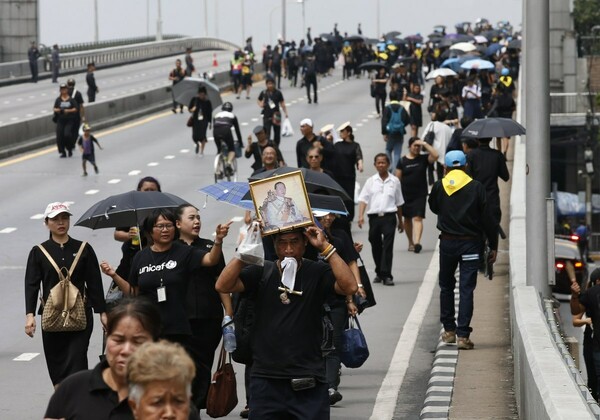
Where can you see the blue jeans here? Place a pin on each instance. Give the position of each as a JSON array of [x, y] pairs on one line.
[[394, 146], [453, 253]]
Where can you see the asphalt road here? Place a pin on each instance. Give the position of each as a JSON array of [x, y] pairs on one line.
[[27, 100], [160, 145]]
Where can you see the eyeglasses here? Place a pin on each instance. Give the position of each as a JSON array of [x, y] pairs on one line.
[[167, 226], [314, 157]]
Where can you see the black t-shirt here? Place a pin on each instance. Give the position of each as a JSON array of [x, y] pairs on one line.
[[347, 155], [272, 101], [69, 103], [173, 269], [415, 109], [203, 301], [591, 300], [287, 338], [414, 176]]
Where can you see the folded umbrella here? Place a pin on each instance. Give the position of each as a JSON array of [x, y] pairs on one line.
[[316, 182], [127, 209], [493, 127], [184, 91]]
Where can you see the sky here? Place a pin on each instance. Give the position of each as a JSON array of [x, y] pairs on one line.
[[72, 21]]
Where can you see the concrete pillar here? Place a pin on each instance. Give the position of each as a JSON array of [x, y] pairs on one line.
[[18, 27]]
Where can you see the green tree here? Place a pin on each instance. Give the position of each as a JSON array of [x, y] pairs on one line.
[[586, 14]]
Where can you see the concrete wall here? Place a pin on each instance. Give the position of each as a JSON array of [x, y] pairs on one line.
[[37, 132], [18, 27]]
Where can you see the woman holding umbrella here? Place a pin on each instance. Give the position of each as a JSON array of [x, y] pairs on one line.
[[65, 351], [201, 109]]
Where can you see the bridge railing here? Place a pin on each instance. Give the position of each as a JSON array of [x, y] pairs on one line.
[[106, 57], [570, 102]]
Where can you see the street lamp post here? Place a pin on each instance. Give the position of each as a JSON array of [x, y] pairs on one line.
[[96, 35], [148, 18], [159, 35], [243, 25], [303, 18], [206, 18], [283, 13], [378, 15]]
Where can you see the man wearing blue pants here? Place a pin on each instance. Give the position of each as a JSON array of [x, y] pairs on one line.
[[463, 220]]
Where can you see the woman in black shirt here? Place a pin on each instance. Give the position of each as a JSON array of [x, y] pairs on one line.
[[201, 109], [66, 112], [65, 352], [412, 172]]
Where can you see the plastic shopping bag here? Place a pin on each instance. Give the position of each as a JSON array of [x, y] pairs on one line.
[[286, 128], [251, 249]]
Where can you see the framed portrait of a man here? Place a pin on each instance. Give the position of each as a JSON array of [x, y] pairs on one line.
[[281, 202]]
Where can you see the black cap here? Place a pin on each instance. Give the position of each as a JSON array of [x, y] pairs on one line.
[[63, 85]]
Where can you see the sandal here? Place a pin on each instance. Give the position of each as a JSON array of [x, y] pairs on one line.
[[411, 248]]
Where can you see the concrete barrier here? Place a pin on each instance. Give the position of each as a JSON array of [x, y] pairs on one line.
[[545, 387], [40, 131]]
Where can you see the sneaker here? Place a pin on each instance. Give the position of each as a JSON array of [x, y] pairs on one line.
[[181, 111], [309, 101], [334, 396], [449, 337], [464, 343], [174, 111], [70, 153], [84, 174], [377, 279], [63, 155], [228, 170], [96, 169], [245, 413], [418, 248], [388, 281]]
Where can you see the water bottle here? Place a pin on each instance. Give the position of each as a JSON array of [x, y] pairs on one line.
[[228, 334]]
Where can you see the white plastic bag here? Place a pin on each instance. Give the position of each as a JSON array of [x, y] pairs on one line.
[[251, 249], [356, 191], [286, 128]]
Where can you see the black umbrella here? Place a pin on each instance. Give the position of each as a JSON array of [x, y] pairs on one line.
[[373, 65], [316, 182], [407, 61], [327, 37], [452, 54], [184, 91], [447, 42], [493, 127], [354, 38], [320, 202], [127, 209], [392, 35], [515, 44]]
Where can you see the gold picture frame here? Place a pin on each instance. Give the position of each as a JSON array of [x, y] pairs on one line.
[[281, 203]]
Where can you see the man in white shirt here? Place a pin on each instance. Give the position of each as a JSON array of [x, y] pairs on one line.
[[382, 199]]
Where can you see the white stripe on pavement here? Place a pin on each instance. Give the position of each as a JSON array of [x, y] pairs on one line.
[[25, 357], [385, 404], [8, 230]]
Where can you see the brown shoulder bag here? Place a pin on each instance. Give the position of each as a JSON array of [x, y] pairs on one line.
[[222, 392]]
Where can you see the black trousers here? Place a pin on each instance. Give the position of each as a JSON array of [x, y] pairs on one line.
[[91, 94], [267, 125], [64, 134], [380, 99], [205, 339], [382, 231], [311, 81], [339, 315]]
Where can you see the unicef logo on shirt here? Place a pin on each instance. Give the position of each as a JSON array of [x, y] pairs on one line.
[[171, 265]]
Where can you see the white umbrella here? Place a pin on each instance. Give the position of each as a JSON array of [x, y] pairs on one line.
[[464, 46], [480, 39], [444, 72]]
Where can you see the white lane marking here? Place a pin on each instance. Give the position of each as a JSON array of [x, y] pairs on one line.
[[44, 94], [29, 115], [365, 120], [25, 357], [134, 172], [385, 403], [244, 123], [211, 139], [69, 203], [12, 267], [153, 164], [371, 116], [254, 119], [6, 102], [359, 125], [37, 216], [19, 99], [44, 111], [168, 157], [237, 219], [8, 230], [184, 151], [14, 118], [91, 192], [114, 181], [31, 97], [294, 101], [103, 97]]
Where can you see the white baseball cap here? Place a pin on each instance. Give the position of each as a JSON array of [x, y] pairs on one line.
[[56, 208], [306, 121]]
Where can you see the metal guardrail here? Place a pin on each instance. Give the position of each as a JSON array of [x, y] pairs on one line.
[[111, 43], [104, 57], [570, 102]]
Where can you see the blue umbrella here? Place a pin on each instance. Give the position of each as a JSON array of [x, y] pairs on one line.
[[229, 192], [492, 49], [477, 64]]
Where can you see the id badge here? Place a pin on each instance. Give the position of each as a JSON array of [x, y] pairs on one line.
[[271, 104], [200, 117], [161, 293]]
